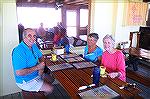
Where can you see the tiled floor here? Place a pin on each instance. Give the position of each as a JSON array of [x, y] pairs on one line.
[[58, 93], [12, 96], [144, 71]]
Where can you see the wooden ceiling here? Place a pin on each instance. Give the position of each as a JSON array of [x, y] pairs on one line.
[[52, 2]]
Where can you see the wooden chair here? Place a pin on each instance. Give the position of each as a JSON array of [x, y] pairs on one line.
[[137, 38], [79, 42], [132, 59]]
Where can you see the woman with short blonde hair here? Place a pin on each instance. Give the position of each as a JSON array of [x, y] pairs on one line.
[[113, 59]]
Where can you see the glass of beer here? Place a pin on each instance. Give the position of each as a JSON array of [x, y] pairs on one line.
[[54, 57], [102, 69]]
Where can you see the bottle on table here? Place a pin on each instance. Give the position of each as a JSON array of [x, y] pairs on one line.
[[96, 76]]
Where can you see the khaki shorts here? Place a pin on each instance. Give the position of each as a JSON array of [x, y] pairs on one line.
[[32, 85]]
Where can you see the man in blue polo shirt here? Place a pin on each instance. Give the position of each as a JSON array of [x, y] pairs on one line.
[[28, 64]]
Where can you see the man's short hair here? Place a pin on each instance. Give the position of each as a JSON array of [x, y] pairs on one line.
[[25, 32]]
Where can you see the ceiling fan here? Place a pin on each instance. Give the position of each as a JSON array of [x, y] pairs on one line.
[[59, 4]]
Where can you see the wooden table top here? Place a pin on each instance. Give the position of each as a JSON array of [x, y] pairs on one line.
[[71, 79]]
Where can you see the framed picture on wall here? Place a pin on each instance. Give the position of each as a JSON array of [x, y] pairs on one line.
[[135, 13]]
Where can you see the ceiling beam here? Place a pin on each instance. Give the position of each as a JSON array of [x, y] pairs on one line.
[[66, 2], [75, 1]]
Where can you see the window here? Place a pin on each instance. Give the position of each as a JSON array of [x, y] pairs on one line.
[[83, 17], [33, 16], [71, 23]]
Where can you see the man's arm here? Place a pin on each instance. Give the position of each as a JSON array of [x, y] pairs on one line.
[[42, 59], [26, 71]]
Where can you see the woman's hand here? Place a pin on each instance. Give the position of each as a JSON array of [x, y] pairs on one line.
[[114, 74]]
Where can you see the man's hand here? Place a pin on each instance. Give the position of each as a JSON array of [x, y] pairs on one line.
[[41, 68], [41, 72], [41, 65]]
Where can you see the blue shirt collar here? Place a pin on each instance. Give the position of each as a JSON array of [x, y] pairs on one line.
[[24, 45]]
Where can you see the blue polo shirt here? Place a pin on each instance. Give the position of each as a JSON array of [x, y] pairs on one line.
[[94, 55], [23, 57]]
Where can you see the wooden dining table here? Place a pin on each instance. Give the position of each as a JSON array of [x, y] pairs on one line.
[[72, 78]]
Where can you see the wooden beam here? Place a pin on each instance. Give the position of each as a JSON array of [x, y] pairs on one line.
[[77, 2], [66, 2]]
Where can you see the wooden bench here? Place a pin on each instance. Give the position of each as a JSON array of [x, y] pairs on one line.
[[33, 95]]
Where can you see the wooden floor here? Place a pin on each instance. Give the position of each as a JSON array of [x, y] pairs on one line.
[[140, 77]]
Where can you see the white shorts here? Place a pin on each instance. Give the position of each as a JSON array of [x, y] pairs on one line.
[[32, 85]]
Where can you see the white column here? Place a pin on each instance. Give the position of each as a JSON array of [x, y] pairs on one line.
[[8, 40], [101, 18]]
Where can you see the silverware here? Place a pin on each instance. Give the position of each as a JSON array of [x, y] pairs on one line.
[[84, 87]]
